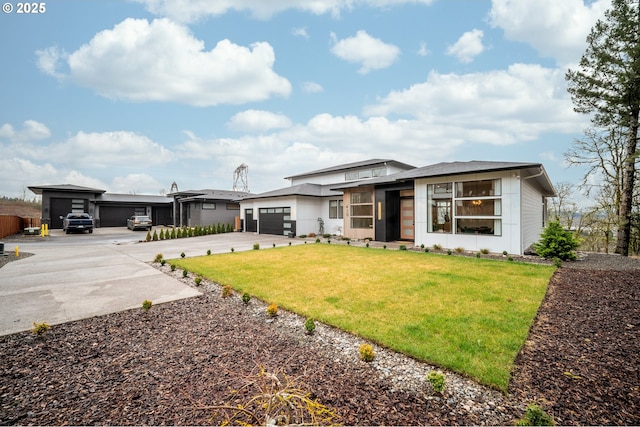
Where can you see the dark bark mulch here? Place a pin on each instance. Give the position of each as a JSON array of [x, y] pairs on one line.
[[165, 366], [582, 358]]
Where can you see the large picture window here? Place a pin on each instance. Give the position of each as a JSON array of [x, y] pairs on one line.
[[361, 209], [475, 208]]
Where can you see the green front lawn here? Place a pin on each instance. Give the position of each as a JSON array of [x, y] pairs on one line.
[[466, 314]]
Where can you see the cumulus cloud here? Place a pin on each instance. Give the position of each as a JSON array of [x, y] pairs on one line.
[[162, 61], [193, 10], [423, 50], [497, 107], [99, 150], [258, 121], [31, 131], [300, 32], [371, 53], [135, 183], [556, 29], [468, 46]]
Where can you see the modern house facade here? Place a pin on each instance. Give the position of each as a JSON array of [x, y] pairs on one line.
[[498, 206], [311, 204]]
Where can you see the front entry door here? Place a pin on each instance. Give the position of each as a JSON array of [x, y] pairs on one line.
[[406, 219]]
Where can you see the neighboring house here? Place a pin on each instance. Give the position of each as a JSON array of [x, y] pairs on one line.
[[207, 207], [311, 204], [499, 206], [108, 210]]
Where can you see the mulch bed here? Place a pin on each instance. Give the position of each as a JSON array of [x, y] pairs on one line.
[[172, 364]]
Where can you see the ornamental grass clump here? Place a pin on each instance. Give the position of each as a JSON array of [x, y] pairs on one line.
[[40, 329], [227, 291], [310, 325], [535, 416], [146, 305], [246, 298]]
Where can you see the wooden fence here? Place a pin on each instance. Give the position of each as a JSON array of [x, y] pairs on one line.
[[11, 224]]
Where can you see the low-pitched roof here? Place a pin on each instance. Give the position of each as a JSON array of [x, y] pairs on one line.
[[38, 189], [533, 170], [134, 198], [306, 189], [210, 194], [354, 165]]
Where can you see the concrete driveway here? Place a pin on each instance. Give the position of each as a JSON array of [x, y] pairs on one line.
[[72, 277]]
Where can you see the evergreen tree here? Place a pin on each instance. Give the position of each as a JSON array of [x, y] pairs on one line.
[[606, 86]]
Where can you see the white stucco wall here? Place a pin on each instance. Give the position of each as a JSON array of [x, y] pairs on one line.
[[509, 240]]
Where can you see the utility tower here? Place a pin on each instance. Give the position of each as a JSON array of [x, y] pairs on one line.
[[241, 178], [174, 187]]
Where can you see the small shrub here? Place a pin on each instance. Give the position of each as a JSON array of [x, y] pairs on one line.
[[555, 242], [535, 416], [158, 258], [274, 245], [198, 280], [557, 262], [437, 247], [402, 247], [504, 253], [326, 235], [426, 250], [256, 246], [302, 236], [384, 246], [161, 235], [366, 352], [173, 233], [173, 267], [148, 238], [459, 250], [366, 244], [510, 258], [246, 298], [182, 255], [348, 242], [478, 255], [329, 241], [312, 234], [40, 328], [422, 246], [163, 262], [208, 251], [155, 236], [437, 381], [317, 240], [185, 273], [272, 310], [484, 251], [449, 252], [146, 305], [226, 291], [310, 325], [232, 250]]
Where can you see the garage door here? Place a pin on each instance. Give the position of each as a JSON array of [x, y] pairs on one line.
[[59, 207], [116, 216], [276, 221]]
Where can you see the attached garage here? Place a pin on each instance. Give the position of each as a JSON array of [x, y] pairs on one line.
[[276, 221]]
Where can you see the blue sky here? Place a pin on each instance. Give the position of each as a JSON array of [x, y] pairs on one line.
[[130, 96]]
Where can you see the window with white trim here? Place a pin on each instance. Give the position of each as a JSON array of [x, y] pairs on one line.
[[335, 209]]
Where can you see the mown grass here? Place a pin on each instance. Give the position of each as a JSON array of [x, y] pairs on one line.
[[466, 314]]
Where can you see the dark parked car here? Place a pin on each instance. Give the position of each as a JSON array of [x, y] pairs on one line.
[[77, 222], [138, 222]]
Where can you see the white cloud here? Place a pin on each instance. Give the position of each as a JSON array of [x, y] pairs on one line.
[[258, 121], [162, 61], [498, 107], [556, 29], [468, 46], [371, 53], [31, 131], [136, 183], [108, 150], [300, 32], [193, 10], [312, 87]]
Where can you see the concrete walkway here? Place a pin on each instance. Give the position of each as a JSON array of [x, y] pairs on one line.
[[75, 277]]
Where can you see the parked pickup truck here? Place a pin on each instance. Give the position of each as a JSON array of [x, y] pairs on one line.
[[77, 222]]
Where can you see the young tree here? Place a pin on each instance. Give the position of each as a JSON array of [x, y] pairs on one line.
[[606, 85]]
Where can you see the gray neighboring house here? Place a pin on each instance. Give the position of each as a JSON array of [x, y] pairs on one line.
[[188, 208], [107, 209], [207, 207]]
